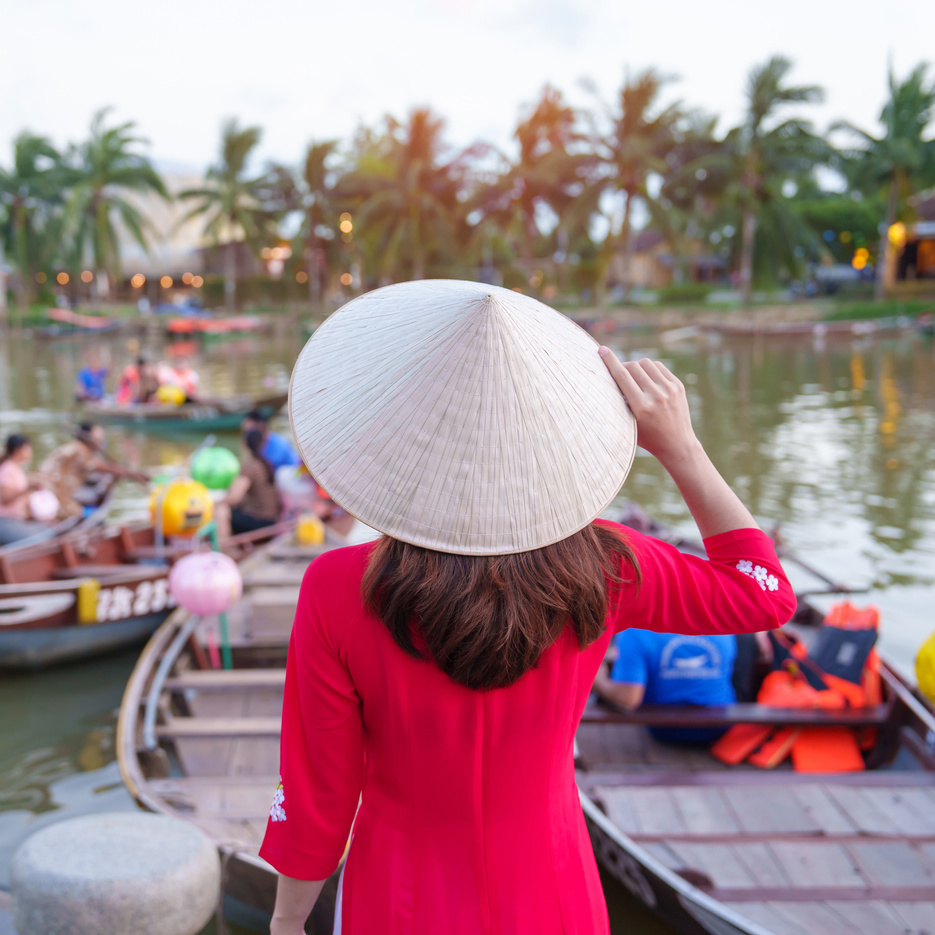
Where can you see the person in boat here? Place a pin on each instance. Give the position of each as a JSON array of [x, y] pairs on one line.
[[16, 520], [277, 449], [138, 383], [72, 465], [650, 668], [180, 373], [252, 500], [92, 380], [436, 677]]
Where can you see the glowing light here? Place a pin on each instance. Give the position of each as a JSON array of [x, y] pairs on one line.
[[41, 278], [862, 252], [347, 237], [301, 276], [345, 216], [62, 279], [346, 279], [845, 237], [536, 279], [858, 262], [346, 226], [198, 281], [86, 275], [166, 282], [187, 278], [137, 280], [266, 253], [897, 234]]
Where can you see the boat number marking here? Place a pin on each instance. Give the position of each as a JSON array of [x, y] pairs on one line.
[[202, 413], [148, 597]]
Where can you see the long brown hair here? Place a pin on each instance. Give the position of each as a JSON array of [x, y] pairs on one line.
[[486, 620]]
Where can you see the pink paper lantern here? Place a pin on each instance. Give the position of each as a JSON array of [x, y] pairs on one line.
[[206, 583]]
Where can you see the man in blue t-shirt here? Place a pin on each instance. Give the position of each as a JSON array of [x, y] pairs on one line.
[[276, 449], [669, 669]]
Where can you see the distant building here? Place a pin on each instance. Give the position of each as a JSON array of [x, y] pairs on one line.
[[655, 266], [910, 259]]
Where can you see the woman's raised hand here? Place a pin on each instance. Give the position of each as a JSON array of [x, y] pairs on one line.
[[657, 399]]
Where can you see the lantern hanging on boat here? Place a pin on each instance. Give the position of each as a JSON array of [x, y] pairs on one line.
[[925, 668], [43, 506], [170, 395], [186, 506], [206, 583], [216, 468]]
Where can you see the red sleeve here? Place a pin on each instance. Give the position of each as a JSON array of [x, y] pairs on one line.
[[740, 588], [322, 747]]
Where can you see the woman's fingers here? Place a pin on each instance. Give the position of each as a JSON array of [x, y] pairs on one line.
[[623, 378]]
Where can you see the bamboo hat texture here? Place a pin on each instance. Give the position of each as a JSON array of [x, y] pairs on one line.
[[461, 417]]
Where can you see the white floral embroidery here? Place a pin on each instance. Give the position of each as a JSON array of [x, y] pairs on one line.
[[276, 810], [759, 574]]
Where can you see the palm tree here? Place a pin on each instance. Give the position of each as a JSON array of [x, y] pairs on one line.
[[316, 193], [898, 161], [543, 175], [234, 202], [641, 136], [105, 168], [30, 191], [405, 191], [765, 153]]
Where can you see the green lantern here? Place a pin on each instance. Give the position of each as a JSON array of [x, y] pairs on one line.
[[216, 468]]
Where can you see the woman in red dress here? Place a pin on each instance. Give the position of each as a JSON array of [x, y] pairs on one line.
[[436, 678]]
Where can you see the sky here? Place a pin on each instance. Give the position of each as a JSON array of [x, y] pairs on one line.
[[305, 70]]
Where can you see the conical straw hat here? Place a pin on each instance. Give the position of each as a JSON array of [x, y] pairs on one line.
[[461, 417]]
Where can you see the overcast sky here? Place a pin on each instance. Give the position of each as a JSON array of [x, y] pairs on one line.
[[306, 70]]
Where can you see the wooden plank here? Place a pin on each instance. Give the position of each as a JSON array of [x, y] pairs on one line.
[[814, 918], [746, 776], [656, 811], [891, 864], [815, 863], [619, 808], [766, 915], [912, 811], [705, 811], [763, 809], [862, 812], [870, 918], [822, 809], [226, 679], [761, 863], [191, 727], [716, 861], [919, 918], [728, 715]]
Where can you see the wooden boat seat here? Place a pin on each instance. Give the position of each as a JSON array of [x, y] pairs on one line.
[[226, 679], [229, 728], [727, 716], [107, 571]]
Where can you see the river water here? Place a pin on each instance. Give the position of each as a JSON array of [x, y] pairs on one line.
[[832, 441]]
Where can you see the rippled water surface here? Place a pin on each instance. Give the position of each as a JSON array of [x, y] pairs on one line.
[[834, 442]]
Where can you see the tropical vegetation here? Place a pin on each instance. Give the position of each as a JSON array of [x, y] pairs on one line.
[[564, 211]]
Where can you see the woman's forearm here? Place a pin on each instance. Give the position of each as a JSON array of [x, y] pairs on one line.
[[712, 503], [295, 900]]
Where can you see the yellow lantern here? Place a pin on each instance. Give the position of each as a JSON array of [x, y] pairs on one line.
[[171, 395], [309, 530], [186, 507], [925, 668]]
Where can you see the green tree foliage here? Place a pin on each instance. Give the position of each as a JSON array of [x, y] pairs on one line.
[[236, 203], [105, 168], [900, 160], [30, 192]]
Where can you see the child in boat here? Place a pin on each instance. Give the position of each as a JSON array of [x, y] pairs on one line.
[[436, 678]]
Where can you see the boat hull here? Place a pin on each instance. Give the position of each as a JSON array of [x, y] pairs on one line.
[[37, 647]]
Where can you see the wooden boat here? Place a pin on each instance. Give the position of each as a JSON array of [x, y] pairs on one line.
[[210, 326], [70, 324], [89, 593], [95, 497], [731, 850], [206, 415], [710, 850], [202, 744], [815, 329]]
